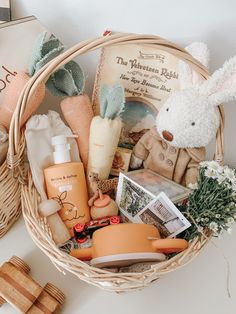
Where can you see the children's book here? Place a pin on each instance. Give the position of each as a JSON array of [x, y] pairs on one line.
[[148, 75], [17, 39]]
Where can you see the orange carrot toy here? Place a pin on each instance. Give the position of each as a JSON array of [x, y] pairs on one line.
[[46, 48], [76, 107]]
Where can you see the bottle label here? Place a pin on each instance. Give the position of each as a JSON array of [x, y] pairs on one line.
[[64, 188]]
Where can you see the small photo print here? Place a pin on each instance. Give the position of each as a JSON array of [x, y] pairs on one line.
[[163, 214], [132, 198]]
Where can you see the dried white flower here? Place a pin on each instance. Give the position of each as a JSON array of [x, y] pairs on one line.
[[193, 186], [215, 166], [220, 178], [213, 226], [230, 221], [204, 164], [230, 174], [210, 173]]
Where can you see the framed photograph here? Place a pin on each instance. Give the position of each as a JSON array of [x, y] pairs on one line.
[[152, 184], [131, 198], [163, 214], [144, 196]]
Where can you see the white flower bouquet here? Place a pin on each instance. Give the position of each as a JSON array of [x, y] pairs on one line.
[[212, 204]]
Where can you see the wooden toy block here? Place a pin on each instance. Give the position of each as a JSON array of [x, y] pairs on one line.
[[25, 294]]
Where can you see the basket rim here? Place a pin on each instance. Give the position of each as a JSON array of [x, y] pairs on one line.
[[36, 227]]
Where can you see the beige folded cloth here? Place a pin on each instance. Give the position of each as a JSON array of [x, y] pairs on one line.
[[39, 131]]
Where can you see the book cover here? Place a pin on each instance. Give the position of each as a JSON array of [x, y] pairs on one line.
[[17, 39], [148, 75]]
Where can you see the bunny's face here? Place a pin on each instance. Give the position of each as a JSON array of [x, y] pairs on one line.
[[190, 117], [187, 120]]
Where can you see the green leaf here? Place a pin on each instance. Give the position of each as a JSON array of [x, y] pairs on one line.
[[62, 83], [48, 57], [103, 99], [36, 52], [77, 74], [67, 81], [50, 45], [111, 101], [45, 49]]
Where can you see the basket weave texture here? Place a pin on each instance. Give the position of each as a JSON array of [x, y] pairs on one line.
[[10, 191], [38, 229]]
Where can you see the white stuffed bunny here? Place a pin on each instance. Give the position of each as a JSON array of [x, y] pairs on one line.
[[187, 121], [190, 117]]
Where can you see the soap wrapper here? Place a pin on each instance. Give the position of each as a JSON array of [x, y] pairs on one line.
[[39, 131]]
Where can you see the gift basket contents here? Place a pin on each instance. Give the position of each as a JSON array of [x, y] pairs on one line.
[[38, 48], [124, 181], [24, 293], [76, 207]]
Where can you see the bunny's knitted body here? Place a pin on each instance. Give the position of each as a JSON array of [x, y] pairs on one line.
[[177, 164]]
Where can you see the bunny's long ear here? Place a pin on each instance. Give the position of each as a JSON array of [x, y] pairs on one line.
[[221, 86], [187, 76]]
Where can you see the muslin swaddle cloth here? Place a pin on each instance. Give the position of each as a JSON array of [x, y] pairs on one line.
[[39, 131]]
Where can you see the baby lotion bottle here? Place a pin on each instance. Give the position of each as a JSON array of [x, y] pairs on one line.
[[66, 183]]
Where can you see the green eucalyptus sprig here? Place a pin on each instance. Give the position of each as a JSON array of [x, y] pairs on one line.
[[211, 206]]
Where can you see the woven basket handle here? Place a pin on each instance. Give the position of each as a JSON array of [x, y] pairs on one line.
[[16, 137]]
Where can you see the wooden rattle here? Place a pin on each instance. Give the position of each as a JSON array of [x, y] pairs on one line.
[[49, 209], [25, 294]]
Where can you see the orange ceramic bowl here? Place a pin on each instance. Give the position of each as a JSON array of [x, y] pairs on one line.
[[128, 238]]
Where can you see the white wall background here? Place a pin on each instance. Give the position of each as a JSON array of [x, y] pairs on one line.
[[183, 21], [200, 286]]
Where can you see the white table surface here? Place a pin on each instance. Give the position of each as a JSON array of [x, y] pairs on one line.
[[198, 288]]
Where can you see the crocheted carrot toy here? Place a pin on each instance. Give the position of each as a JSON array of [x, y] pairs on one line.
[[76, 107], [105, 131]]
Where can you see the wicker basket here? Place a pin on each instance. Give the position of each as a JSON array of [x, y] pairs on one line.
[[10, 187], [37, 227]]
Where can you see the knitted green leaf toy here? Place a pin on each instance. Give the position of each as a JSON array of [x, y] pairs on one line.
[[112, 101], [67, 81], [46, 48]]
